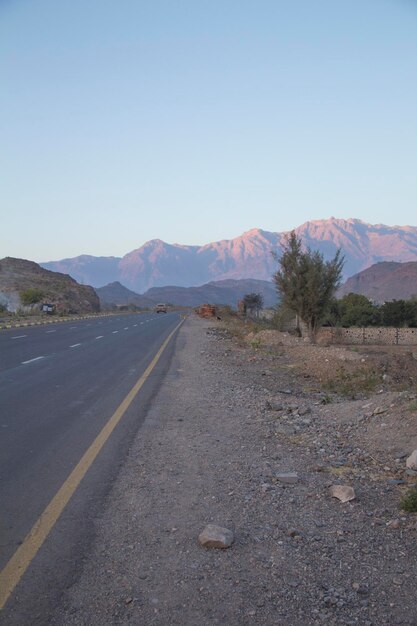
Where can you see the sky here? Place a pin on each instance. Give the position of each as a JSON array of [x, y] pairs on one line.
[[196, 120]]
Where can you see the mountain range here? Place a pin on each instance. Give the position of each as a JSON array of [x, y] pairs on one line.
[[219, 292], [157, 264]]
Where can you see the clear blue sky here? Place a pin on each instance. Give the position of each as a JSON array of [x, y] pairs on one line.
[[195, 120]]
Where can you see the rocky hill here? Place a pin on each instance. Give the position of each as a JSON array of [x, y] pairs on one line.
[[17, 275], [157, 263], [384, 281], [219, 292], [116, 294]]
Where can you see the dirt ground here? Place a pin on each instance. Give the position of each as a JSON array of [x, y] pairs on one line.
[[233, 414], [386, 375]]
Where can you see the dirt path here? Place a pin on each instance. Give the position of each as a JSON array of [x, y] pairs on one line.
[[221, 429]]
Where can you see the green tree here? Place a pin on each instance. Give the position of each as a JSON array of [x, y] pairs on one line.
[[357, 310], [31, 296], [399, 313], [306, 282], [411, 312], [253, 301]]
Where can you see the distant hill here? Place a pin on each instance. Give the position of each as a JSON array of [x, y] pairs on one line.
[[87, 269], [384, 281], [116, 294], [156, 263], [64, 292], [227, 292]]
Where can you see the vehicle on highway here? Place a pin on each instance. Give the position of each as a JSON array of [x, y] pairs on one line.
[[161, 308]]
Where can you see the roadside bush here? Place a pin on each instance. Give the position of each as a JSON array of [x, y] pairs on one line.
[[409, 501], [31, 296], [354, 384]]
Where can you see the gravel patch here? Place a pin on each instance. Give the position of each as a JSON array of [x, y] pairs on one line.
[[235, 439]]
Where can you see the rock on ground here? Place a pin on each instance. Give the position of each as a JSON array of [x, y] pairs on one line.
[[411, 461], [214, 536]]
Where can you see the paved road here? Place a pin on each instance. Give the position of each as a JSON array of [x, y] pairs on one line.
[[59, 385]]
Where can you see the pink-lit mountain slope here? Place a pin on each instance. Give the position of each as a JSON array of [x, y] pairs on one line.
[[384, 281], [157, 263]]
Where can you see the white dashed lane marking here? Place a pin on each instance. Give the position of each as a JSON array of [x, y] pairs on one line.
[[37, 358], [18, 336], [75, 345], [50, 331], [100, 337], [115, 331]]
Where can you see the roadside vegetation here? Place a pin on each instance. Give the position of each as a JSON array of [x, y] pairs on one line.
[[357, 310], [409, 501], [31, 296], [306, 283], [358, 381]]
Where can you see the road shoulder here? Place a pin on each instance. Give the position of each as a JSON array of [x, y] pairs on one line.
[[208, 453]]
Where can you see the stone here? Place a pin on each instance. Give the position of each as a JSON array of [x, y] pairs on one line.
[[394, 524], [271, 405], [288, 478], [411, 461], [379, 410], [216, 537], [344, 493]]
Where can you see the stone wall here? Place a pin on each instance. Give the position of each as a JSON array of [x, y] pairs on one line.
[[371, 335]]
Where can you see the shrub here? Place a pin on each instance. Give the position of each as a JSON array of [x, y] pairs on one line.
[[409, 501], [31, 296], [353, 384]]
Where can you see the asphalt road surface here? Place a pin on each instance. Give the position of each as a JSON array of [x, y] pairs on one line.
[[59, 386]]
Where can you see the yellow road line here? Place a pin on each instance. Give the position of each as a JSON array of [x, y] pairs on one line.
[[20, 561]]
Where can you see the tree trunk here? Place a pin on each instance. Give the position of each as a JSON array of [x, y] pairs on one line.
[[312, 332]]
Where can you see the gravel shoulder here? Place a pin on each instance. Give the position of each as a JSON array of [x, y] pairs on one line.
[[227, 421]]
